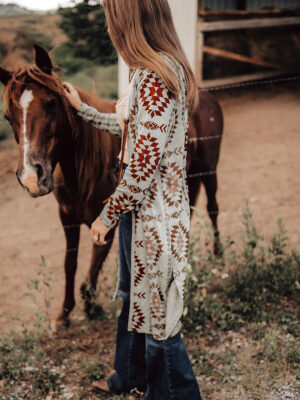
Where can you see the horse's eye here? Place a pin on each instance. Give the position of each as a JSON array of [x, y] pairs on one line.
[[50, 104]]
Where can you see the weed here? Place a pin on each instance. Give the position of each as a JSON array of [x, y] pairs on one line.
[[254, 285], [27, 358], [41, 287], [293, 356], [94, 370]]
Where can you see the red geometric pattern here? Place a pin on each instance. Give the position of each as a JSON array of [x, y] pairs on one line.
[[145, 157], [140, 295], [151, 196], [152, 126], [119, 204], [179, 242], [153, 246], [171, 174], [132, 117], [132, 188], [138, 318], [157, 309], [173, 130], [154, 95], [140, 272]]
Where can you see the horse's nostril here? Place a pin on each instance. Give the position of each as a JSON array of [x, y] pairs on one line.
[[44, 181], [39, 170]]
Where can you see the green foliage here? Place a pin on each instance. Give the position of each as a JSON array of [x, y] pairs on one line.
[[36, 37], [94, 370], [41, 287], [70, 63], [5, 128], [85, 26], [293, 356], [24, 358], [101, 79], [29, 362], [237, 288]]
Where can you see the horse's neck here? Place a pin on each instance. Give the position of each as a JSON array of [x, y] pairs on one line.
[[87, 158]]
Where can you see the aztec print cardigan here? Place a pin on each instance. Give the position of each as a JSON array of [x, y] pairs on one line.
[[154, 187]]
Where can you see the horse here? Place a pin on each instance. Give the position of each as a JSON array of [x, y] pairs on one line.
[[61, 153]]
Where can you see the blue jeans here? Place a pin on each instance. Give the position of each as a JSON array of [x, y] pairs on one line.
[[161, 368]]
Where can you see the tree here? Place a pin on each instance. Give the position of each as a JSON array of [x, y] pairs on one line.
[[85, 26]]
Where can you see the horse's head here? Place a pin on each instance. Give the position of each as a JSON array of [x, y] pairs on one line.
[[35, 108]]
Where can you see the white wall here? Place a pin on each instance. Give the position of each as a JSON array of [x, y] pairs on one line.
[[185, 15]]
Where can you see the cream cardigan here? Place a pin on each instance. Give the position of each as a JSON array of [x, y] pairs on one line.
[[154, 187], [120, 111]]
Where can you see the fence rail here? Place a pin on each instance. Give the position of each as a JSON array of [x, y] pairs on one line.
[[223, 214]]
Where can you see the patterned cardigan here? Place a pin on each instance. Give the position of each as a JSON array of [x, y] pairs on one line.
[[154, 187]]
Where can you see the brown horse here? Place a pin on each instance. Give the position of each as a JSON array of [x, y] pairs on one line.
[[60, 152]]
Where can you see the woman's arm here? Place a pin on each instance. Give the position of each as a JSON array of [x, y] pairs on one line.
[[155, 111], [103, 121]]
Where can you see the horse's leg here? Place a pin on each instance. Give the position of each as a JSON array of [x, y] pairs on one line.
[[88, 288], [72, 233], [211, 185], [194, 185]]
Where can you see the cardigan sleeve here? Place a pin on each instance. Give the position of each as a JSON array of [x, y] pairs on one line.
[[155, 107], [104, 121]]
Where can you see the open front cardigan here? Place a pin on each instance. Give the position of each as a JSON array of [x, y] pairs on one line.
[[154, 187]]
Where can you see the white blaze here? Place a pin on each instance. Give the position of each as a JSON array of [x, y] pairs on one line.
[[25, 101]]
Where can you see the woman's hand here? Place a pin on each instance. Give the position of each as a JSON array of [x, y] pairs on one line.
[[72, 95], [98, 232]]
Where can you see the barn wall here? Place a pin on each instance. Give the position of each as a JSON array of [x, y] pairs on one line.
[[185, 15], [251, 4]]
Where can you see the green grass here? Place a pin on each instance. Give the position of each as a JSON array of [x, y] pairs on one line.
[[101, 79], [259, 283]]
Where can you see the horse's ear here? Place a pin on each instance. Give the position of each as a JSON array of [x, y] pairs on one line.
[[5, 76], [42, 59]]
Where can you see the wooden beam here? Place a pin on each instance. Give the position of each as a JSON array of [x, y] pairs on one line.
[[247, 24], [238, 57], [200, 53], [232, 80], [275, 11]]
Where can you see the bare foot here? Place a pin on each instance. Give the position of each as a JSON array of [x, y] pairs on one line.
[[102, 385]]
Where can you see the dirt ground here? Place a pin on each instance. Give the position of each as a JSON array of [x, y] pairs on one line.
[[259, 163]]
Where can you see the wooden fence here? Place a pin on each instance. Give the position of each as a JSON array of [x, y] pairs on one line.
[[236, 24]]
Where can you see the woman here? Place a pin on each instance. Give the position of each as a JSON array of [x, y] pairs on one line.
[[151, 202]]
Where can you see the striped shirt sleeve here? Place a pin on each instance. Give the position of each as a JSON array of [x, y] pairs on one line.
[[104, 121]]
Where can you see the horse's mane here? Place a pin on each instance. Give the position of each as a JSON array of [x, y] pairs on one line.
[[92, 149]]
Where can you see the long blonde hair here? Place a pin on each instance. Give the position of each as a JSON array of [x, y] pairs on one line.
[[140, 30]]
